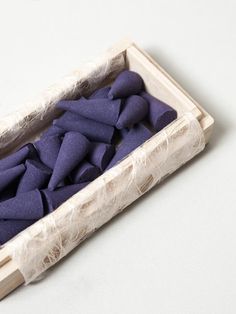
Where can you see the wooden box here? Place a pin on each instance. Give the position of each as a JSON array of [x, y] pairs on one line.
[[41, 245]]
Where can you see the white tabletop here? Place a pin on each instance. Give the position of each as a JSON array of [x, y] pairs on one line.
[[174, 251]]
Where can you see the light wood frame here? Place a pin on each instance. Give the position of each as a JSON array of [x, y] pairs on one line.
[[158, 83]]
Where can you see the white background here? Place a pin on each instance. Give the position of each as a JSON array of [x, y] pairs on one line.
[[174, 251]]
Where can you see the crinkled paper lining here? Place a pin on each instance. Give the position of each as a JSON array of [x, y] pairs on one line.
[[51, 238]]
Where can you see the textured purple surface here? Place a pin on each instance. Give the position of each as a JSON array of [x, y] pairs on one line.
[[10, 175], [53, 130], [25, 206], [95, 131], [36, 176], [66, 117], [73, 149], [100, 93], [100, 154], [10, 228], [123, 132], [136, 136], [160, 114], [15, 158], [84, 172], [53, 199], [102, 110], [135, 109], [48, 148], [126, 84]]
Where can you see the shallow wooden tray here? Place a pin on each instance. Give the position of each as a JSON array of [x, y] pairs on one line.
[[157, 82]]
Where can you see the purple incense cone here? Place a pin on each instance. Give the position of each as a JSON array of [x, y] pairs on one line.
[[102, 110], [126, 84], [15, 158], [100, 93], [94, 130], [136, 136], [10, 175], [25, 206], [48, 148], [135, 110], [36, 176], [65, 117], [100, 154], [73, 149], [54, 199], [160, 114], [85, 172], [10, 228], [123, 132], [53, 130]]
